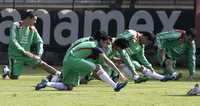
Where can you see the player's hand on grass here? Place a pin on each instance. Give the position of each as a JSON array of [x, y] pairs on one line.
[[122, 77]]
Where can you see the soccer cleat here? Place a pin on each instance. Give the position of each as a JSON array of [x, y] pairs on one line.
[[167, 78], [14, 77], [5, 77], [178, 76], [49, 77], [115, 78], [41, 85], [120, 86], [5, 72], [171, 77], [141, 79], [194, 91]]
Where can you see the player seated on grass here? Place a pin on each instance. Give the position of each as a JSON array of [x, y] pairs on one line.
[[174, 44], [83, 79], [136, 55], [23, 36], [80, 61], [121, 58], [94, 37], [194, 91]]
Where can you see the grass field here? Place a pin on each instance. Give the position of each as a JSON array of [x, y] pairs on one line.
[[152, 93]]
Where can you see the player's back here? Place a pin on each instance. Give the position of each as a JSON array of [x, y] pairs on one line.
[[84, 49]]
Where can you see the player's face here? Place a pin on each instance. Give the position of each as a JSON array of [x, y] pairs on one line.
[[144, 40], [189, 37], [105, 43], [115, 47], [32, 21]]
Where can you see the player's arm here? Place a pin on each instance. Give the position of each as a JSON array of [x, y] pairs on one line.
[[39, 43], [13, 37], [171, 35], [143, 60], [191, 58], [111, 64], [127, 60]]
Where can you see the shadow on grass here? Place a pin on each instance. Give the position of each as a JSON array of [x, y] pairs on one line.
[[182, 95]]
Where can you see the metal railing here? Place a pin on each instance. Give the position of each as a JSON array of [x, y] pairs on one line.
[[103, 3]]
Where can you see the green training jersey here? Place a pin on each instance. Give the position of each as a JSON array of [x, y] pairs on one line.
[[174, 46], [135, 50], [86, 50], [22, 38]]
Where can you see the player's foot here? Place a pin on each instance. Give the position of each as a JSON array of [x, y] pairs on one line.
[[141, 79], [41, 85], [5, 77], [14, 77], [83, 81], [5, 72], [171, 77], [115, 78], [120, 86], [178, 76], [194, 91], [49, 77], [167, 78], [53, 78]]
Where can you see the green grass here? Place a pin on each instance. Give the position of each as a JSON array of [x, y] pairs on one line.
[[152, 93]]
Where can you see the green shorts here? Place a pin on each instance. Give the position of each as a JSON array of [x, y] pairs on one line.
[[74, 68], [16, 64]]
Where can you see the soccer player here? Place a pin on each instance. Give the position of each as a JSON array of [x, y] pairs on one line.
[[122, 60], [80, 61], [94, 37], [23, 35], [136, 52], [174, 44], [25, 47]]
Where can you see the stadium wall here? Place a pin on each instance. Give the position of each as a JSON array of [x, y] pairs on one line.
[[60, 27]]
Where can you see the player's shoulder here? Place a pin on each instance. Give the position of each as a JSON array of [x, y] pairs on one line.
[[16, 24], [33, 28], [91, 43]]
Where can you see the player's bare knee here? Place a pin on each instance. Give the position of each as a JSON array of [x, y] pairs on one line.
[[99, 70], [98, 67]]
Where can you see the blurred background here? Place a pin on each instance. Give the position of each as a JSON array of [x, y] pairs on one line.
[[63, 21]]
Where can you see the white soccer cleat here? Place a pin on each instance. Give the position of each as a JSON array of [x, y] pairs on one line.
[[5, 73], [194, 91]]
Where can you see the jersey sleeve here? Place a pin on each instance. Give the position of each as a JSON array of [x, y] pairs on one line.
[[142, 59], [163, 37], [13, 39], [37, 40], [127, 60], [97, 51]]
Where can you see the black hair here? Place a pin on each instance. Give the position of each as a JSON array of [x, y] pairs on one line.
[[100, 35], [190, 32], [149, 35], [28, 14], [122, 43]]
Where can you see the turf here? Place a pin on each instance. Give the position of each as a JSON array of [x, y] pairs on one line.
[[96, 93]]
